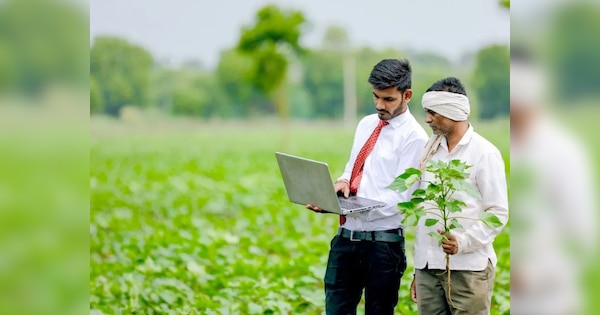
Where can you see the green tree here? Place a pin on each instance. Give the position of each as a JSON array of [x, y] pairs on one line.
[[491, 80], [323, 80], [42, 42], [573, 50], [188, 102], [324, 73], [271, 42], [234, 78], [123, 73], [301, 101], [8, 71], [196, 92], [163, 84]]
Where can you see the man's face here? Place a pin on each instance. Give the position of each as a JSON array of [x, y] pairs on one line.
[[390, 102], [439, 124]]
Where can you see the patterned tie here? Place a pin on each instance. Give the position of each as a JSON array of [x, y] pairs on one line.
[[359, 164]]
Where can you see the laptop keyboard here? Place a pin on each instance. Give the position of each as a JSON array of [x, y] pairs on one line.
[[350, 205]]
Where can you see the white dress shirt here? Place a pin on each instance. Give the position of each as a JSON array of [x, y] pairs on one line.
[[398, 147], [487, 175]]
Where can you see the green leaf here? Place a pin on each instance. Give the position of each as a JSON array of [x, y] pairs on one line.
[[431, 222], [254, 308], [412, 171], [410, 220], [455, 205], [420, 212], [413, 215], [463, 185], [405, 180], [406, 207], [433, 188], [419, 192], [417, 200], [459, 165], [441, 203], [437, 236], [196, 269], [433, 166], [168, 296], [490, 220], [454, 224], [455, 174]]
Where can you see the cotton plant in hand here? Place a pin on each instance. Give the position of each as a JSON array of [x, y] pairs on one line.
[[436, 201]]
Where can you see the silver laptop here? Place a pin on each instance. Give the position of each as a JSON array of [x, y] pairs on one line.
[[309, 182]]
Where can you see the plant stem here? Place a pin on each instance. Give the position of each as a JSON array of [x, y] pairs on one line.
[[449, 286], [435, 214], [464, 218], [446, 192]]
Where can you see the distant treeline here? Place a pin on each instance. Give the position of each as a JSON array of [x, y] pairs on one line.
[[122, 73], [269, 72]]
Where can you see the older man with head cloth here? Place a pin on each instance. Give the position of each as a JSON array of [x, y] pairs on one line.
[[473, 260]]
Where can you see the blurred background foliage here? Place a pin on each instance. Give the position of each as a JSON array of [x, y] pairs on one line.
[[572, 52], [269, 73], [40, 47], [44, 154]]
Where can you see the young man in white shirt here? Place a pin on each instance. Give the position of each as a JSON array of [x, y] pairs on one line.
[[472, 260], [368, 250]]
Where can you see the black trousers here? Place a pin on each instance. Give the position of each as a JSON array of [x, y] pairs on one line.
[[353, 266]]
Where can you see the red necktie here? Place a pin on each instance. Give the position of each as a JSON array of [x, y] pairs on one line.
[[359, 164]]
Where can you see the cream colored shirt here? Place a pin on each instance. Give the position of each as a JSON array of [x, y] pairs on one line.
[[487, 175], [398, 147]]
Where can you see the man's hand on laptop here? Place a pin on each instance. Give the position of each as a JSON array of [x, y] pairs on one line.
[[342, 186]]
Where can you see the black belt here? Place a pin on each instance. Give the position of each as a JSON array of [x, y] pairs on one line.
[[395, 235]]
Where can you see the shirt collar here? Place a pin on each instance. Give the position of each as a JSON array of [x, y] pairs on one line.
[[466, 138], [400, 119]]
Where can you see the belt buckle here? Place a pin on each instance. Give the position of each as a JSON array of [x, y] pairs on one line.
[[352, 237]]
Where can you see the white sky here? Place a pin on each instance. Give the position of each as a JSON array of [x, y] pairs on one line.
[[179, 30]]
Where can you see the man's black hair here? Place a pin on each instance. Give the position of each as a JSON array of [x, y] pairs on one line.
[[449, 84], [391, 72]]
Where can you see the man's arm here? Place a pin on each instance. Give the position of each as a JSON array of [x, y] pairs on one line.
[[340, 185], [491, 182]]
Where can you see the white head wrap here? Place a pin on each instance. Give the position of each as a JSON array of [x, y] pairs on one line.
[[450, 105]]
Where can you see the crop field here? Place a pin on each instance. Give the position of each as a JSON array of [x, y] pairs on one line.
[[191, 217]]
